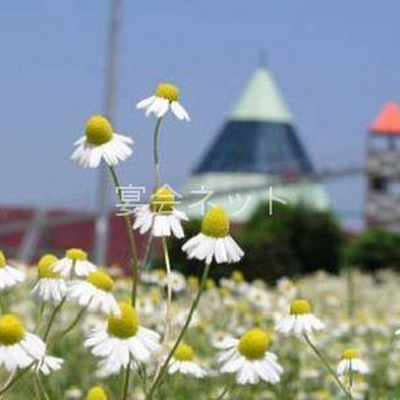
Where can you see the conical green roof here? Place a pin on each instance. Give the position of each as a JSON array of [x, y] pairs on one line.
[[259, 136], [257, 145], [261, 101]]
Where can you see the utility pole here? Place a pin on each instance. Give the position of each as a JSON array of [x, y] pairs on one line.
[[111, 82]]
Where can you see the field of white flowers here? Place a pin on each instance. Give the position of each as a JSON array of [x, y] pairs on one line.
[[70, 329], [229, 310]]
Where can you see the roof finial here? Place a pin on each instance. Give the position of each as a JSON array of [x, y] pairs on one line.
[[262, 59]]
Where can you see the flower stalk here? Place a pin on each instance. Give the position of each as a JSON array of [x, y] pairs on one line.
[[131, 237], [193, 308], [169, 290], [228, 389], [14, 378], [40, 387], [350, 292], [52, 319], [156, 150], [39, 316], [3, 308], [327, 366], [73, 323], [351, 379], [125, 381]]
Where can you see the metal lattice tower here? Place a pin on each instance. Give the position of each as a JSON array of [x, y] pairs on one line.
[[102, 218], [382, 202]]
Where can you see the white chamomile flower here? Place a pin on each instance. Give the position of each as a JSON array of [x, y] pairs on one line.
[[351, 363], [249, 358], [287, 288], [301, 320], [214, 240], [153, 276], [123, 340], [95, 293], [176, 280], [21, 349], [166, 97], [160, 216], [74, 264], [50, 287], [101, 142], [9, 276], [236, 283], [182, 362], [259, 298]]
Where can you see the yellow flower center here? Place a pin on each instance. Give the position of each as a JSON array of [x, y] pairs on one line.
[[155, 296], [254, 343], [300, 307], [3, 260], [101, 280], [76, 254], [193, 282], [349, 354], [45, 267], [97, 393], [184, 352], [11, 330], [258, 318], [237, 276], [210, 284], [160, 273], [242, 308], [98, 130], [162, 201], [215, 223], [167, 91], [126, 325]]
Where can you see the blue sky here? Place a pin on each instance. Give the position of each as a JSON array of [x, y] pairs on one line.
[[336, 63]]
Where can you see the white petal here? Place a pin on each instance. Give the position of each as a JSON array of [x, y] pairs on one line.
[[145, 102], [179, 111]]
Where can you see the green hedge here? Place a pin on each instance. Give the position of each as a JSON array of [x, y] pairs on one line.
[[294, 241], [375, 249]]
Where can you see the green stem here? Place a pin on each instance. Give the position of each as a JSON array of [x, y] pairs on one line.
[[351, 302], [52, 319], [228, 389], [169, 288], [3, 308], [143, 376], [351, 377], [147, 252], [328, 367], [156, 153], [131, 237], [125, 382], [73, 324], [350, 292], [38, 394], [40, 315], [181, 334], [14, 378], [42, 389]]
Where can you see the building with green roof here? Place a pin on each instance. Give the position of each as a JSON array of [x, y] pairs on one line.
[[256, 156]]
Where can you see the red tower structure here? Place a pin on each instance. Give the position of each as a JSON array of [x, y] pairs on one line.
[[382, 204]]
